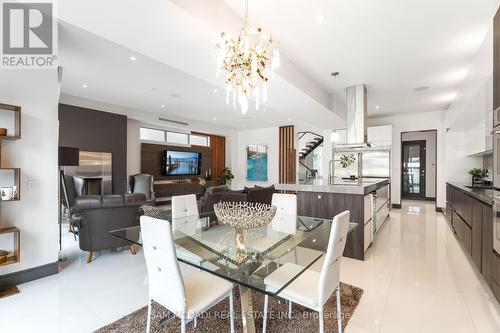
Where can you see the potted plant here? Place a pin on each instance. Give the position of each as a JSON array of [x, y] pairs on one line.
[[477, 175], [346, 160], [203, 183], [226, 176]]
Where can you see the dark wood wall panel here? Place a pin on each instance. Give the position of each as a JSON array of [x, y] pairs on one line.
[[152, 160], [287, 155], [218, 150], [93, 130]]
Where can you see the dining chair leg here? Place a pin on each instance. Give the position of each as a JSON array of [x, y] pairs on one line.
[[264, 323], [339, 310], [148, 323], [183, 324], [321, 328], [289, 309], [295, 254], [231, 310], [195, 321]]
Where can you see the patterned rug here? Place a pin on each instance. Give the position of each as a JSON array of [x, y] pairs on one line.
[[216, 320]]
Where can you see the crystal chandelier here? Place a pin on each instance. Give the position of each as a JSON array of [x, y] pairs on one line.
[[248, 59]]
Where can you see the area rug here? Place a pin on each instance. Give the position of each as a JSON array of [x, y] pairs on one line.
[[216, 320]]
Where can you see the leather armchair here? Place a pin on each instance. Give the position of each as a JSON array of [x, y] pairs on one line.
[[96, 215], [143, 183]]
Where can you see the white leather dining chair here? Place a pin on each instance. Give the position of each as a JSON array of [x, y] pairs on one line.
[[186, 297], [285, 203], [312, 289], [184, 205], [185, 211]]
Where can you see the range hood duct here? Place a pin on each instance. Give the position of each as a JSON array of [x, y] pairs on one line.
[[356, 114]]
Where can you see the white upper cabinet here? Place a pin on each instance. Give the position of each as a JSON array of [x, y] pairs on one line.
[[380, 135]]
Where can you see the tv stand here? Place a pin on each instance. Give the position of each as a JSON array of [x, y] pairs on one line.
[[166, 189]]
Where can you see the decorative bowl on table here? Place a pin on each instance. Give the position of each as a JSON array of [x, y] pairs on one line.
[[243, 216], [3, 256]]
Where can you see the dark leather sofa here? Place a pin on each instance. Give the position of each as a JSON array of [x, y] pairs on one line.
[[94, 216], [216, 194]]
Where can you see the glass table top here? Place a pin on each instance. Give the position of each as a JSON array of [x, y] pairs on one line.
[[246, 258]]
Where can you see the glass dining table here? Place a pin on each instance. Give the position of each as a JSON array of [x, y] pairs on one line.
[[209, 245]]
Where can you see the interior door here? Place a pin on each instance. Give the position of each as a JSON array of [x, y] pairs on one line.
[[413, 169]]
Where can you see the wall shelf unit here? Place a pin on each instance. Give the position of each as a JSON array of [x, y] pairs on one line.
[[10, 238], [10, 118], [10, 178], [10, 190]]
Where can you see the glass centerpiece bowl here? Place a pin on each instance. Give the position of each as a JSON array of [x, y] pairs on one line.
[[243, 216]]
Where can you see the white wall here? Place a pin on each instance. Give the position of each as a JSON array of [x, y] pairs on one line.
[[430, 158], [239, 140], [408, 123], [37, 92]]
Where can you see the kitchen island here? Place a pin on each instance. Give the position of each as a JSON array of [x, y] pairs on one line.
[[319, 199]]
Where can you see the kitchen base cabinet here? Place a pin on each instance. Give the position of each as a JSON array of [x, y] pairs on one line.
[[495, 274], [476, 242], [471, 219], [487, 243], [327, 205]]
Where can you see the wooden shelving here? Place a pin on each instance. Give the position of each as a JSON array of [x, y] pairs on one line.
[[10, 118], [10, 177], [15, 254]]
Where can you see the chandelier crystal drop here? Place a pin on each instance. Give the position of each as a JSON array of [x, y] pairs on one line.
[[248, 60]]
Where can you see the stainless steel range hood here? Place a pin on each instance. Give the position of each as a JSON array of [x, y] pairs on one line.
[[356, 114]]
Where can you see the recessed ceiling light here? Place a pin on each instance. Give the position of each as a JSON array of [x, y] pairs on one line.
[[377, 107], [215, 118], [244, 125], [163, 105], [320, 18], [216, 91], [133, 58], [419, 89], [84, 85]]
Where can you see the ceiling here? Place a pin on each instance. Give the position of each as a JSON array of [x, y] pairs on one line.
[[97, 69], [392, 46]]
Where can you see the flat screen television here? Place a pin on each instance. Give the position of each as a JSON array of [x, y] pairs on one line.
[[182, 163]]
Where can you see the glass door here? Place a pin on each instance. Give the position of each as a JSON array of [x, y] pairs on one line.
[[413, 169]]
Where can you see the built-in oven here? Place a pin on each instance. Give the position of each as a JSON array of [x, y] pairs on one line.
[[496, 221], [496, 182], [496, 117], [496, 157]]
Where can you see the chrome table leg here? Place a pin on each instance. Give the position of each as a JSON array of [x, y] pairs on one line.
[[247, 313]]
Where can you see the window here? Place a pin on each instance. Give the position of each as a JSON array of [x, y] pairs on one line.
[[152, 134], [199, 140], [178, 138]]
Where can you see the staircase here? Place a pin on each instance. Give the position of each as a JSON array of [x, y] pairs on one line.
[[308, 142]]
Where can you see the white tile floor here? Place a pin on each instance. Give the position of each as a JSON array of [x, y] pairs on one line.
[[416, 279]]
